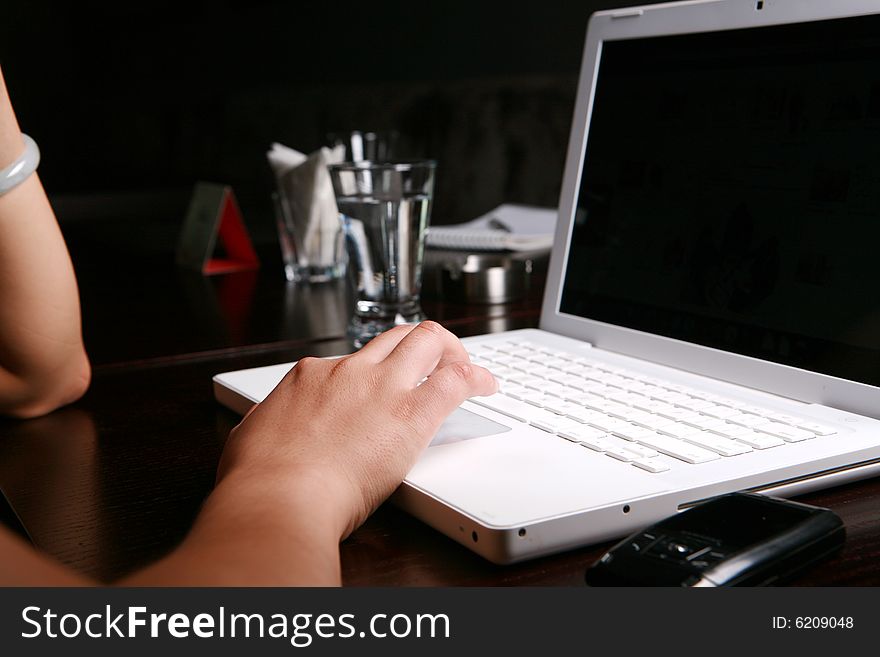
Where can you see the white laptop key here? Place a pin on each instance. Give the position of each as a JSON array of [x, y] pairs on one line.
[[518, 410], [519, 393], [630, 399], [651, 465], [595, 376], [579, 433], [707, 423], [729, 430], [598, 444], [565, 378], [785, 418], [647, 419], [606, 406], [590, 386], [507, 385], [621, 397], [640, 451], [787, 433], [517, 350], [678, 430], [552, 422], [538, 371], [670, 396], [560, 377], [633, 432], [695, 404], [578, 397], [611, 424], [721, 412], [654, 405], [620, 447], [680, 414], [747, 420], [756, 439], [560, 406], [538, 400], [678, 449], [555, 390], [620, 453], [718, 444], [513, 390], [572, 395], [816, 428], [584, 415]]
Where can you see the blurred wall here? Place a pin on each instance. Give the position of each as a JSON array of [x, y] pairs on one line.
[[141, 96]]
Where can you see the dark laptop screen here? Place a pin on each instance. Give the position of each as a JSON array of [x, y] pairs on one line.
[[731, 194]]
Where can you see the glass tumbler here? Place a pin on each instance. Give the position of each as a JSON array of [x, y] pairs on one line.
[[385, 208]]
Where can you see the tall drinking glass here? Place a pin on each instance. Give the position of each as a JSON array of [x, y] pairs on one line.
[[385, 209]]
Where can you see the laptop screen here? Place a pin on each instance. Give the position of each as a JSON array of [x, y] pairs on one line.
[[730, 194]]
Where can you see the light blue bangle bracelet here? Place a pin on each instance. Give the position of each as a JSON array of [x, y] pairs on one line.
[[19, 171]]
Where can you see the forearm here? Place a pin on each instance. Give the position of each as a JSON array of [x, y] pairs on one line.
[[309, 463], [42, 360], [256, 533]]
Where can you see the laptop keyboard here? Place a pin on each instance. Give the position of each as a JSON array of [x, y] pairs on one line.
[[643, 420]]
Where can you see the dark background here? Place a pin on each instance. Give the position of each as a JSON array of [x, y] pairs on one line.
[[132, 103]]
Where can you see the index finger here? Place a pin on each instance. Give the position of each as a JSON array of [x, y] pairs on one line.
[[383, 344], [423, 350], [443, 392]]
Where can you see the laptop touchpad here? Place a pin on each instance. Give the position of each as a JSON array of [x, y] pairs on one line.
[[464, 425]]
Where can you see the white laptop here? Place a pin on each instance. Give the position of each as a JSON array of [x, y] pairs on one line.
[[711, 321]]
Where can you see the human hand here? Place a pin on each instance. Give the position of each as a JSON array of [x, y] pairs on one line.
[[347, 431]]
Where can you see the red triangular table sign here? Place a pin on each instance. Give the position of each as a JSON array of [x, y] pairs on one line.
[[214, 222]]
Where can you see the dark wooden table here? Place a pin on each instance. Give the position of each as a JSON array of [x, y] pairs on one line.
[[115, 480]]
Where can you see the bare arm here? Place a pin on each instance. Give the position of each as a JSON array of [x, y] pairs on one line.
[[43, 364], [309, 464]]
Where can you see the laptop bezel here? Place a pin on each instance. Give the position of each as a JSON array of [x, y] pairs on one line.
[[685, 18]]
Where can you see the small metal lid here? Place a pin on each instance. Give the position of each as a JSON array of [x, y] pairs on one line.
[[477, 277]]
